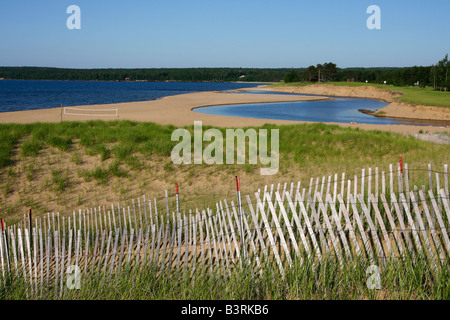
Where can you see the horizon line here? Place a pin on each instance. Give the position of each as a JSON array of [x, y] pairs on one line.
[[105, 68]]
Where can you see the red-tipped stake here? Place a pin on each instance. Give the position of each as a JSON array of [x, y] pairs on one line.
[[5, 243], [31, 227], [177, 197], [241, 213], [401, 165]]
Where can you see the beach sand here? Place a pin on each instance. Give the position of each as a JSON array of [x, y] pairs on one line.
[[178, 110]]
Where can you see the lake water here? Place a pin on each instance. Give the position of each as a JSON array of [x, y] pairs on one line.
[[16, 95], [340, 109]]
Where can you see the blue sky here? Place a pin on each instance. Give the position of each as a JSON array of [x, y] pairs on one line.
[[245, 33]]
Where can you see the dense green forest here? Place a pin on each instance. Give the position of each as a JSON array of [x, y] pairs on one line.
[[165, 74], [435, 76]]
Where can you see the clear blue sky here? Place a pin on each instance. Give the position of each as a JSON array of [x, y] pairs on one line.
[[210, 33]]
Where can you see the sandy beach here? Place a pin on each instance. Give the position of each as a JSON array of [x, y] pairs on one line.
[[178, 110]]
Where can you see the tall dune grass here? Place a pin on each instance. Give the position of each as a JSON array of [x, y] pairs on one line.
[[308, 281]]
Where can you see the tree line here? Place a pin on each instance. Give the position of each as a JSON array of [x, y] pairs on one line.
[[145, 74], [440, 75], [436, 76], [396, 76]]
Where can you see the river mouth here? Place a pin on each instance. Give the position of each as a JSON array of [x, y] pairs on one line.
[[336, 110]]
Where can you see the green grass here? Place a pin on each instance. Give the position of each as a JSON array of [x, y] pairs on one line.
[[100, 174], [125, 154], [128, 137], [326, 280], [76, 158], [115, 169], [414, 95], [60, 179], [305, 142], [61, 143], [31, 147], [291, 84]]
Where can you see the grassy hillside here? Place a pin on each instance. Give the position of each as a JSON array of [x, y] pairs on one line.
[[68, 166]]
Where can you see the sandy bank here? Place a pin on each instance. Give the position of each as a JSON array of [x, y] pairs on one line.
[[340, 91], [177, 110]]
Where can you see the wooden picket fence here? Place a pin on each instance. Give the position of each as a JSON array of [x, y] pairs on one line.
[[329, 218]]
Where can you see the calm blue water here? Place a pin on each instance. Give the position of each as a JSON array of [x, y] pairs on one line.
[[341, 110], [16, 95]]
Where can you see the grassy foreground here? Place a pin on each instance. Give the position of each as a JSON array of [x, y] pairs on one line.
[[60, 167], [414, 95], [70, 165], [326, 280]]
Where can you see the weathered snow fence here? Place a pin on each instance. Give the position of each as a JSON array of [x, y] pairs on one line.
[[274, 227]]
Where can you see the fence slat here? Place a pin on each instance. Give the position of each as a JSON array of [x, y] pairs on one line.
[[416, 230], [422, 227], [208, 241], [279, 231], [233, 233], [269, 233], [334, 241], [403, 228], [446, 195], [349, 225], [439, 218], [257, 227], [300, 230], [361, 229], [373, 230], [315, 218], [381, 223], [288, 226], [393, 227], [113, 257]]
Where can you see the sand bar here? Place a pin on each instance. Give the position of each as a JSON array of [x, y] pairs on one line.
[[177, 110]]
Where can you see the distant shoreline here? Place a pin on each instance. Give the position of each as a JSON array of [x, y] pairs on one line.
[[181, 81]]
